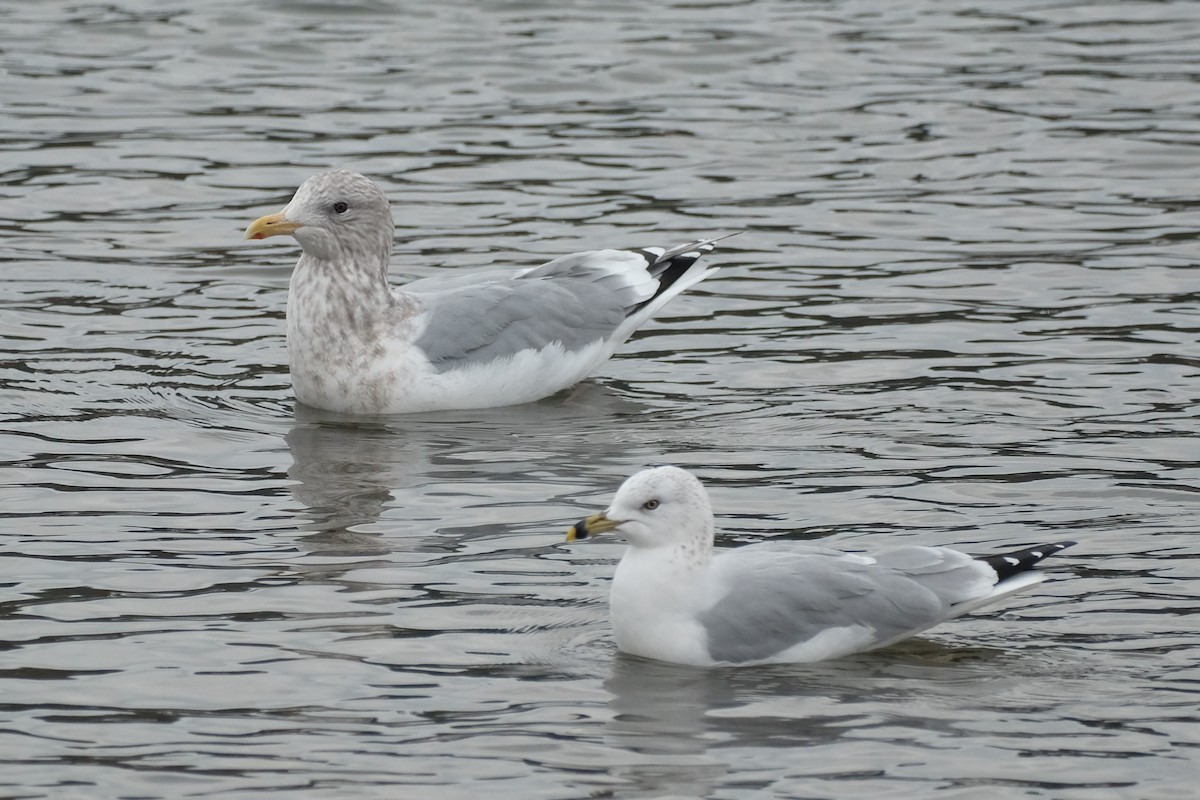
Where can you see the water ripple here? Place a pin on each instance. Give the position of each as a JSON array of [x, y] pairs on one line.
[[963, 312]]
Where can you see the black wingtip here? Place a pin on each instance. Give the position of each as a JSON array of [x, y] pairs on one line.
[[1009, 564], [668, 266]]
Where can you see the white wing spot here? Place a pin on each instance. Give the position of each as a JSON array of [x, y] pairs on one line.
[[1011, 560]]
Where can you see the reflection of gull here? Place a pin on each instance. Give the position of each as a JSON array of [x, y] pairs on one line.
[[682, 731], [676, 724], [475, 339], [659, 719], [351, 474], [343, 479], [662, 708], [673, 600]]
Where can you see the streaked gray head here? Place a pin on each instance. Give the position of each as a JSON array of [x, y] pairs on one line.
[[342, 216], [663, 507]]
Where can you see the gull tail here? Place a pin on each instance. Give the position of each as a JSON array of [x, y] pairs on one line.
[[675, 269], [1008, 565], [1014, 573]]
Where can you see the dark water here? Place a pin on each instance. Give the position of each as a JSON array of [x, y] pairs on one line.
[[964, 311]]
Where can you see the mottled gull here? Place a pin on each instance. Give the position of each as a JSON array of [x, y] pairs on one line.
[[674, 599], [466, 339]]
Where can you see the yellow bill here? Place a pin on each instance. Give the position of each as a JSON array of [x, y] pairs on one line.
[[271, 225], [590, 526]]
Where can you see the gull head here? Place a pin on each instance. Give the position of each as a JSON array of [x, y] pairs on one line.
[[336, 215], [659, 507]]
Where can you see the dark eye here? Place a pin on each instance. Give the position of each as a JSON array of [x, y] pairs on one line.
[[650, 505], [340, 207]]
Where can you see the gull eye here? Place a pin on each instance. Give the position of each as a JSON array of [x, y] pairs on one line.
[[340, 208], [650, 505]]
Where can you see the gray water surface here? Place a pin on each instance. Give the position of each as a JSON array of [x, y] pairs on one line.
[[964, 311]]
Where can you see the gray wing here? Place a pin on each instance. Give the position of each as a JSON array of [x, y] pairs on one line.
[[777, 598], [492, 321], [462, 279], [575, 301]]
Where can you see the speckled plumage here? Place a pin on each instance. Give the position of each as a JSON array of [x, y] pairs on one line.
[[674, 599], [469, 339]]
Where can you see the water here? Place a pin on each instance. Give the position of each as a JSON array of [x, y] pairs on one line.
[[964, 312]]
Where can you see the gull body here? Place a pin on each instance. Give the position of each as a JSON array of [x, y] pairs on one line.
[[470, 339], [674, 598]]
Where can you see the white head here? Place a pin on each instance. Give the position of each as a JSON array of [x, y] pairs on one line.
[[335, 216], [659, 507]]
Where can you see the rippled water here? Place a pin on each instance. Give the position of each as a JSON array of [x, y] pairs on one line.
[[964, 311]]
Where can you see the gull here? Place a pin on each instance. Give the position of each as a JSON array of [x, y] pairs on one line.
[[466, 339], [674, 599]]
